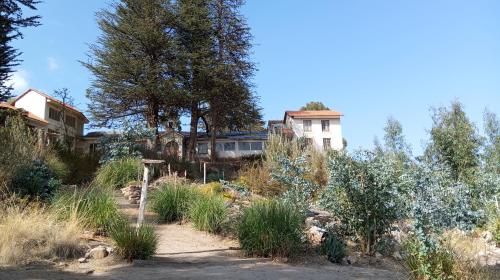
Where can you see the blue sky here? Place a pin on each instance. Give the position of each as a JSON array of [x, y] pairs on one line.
[[367, 59]]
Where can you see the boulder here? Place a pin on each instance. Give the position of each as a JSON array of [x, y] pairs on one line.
[[82, 260], [310, 222], [99, 252], [397, 256], [378, 255], [351, 259], [315, 235]]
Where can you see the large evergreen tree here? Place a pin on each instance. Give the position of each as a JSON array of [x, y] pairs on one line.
[[135, 64], [314, 106], [11, 21], [455, 142]]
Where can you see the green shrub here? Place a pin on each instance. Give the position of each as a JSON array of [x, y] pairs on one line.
[[134, 243], [34, 180], [116, 174], [93, 207], [208, 213], [58, 167], [334, 248], [81, 166], [270, 228], [171, 202]]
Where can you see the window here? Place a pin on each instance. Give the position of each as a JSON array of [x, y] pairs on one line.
[[326, 143], [71, 121], [229, 146], [307, 126], [202, 148], [256, 146], [308, 141], [244, 146], [93, 147], [219, 147], [54, 114], [325, 125]]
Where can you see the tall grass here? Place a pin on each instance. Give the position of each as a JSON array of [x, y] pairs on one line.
[[208, 213], [134, 243], [31, 233], [93, 207], [270, 228], [118, 173], [171, 202]]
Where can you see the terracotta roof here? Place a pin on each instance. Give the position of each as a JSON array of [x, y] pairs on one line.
[[53, 100], [313, 114], [26, 113]]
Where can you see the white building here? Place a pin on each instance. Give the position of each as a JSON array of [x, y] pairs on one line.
[[321, 129], [50, 111]]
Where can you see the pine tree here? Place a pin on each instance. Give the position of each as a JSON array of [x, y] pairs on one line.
[[135, 64], [11, 21]]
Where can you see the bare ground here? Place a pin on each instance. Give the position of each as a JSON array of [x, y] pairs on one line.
[[184, 253]]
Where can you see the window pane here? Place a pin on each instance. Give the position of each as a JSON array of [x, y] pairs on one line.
[[257, 146], [71, 121], [219, 147], [307, 125], [53, 114], [325, 125], [230, 146], [202, 148], [244, 146], [326, 143]]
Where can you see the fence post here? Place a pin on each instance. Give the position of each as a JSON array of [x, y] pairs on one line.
[[204, 173], [144, 189]]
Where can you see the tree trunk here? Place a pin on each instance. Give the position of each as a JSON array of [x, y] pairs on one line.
[[193, 132]]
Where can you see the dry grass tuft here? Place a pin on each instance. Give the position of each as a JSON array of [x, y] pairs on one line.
[[31, 233]]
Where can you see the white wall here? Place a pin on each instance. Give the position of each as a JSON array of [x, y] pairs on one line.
[[316, 133], [33, 103], [236, 153]]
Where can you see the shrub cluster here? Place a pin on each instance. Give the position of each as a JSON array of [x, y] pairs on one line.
[[270, 228], [208, 212], [132, 242], [171, 202], [116, 174]]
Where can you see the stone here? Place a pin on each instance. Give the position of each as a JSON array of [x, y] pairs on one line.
[[351, 259], [90, 271], [310, 222], [487, 236], [378, 255], [397, 256], [82, 260], [99, 252], [315, 234]]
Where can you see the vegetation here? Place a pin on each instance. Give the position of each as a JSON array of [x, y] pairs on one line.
[[92, 207], [270, 228], [334, 248], [208, 213], [34, 180], [134, 243], [29, 233], [116, 174], [12, 19], [314, 106], [172, 202]]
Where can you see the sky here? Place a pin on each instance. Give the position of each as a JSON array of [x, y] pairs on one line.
[[367, 59]]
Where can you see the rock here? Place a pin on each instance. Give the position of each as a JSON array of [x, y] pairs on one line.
[[487, 236], [397, 256], [99, 252], [351, 259], [82, 260], [315, 234], [90, 271], [310, 222], [378, 255]]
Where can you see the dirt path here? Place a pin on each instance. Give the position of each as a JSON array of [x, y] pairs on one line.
[[184, 253]]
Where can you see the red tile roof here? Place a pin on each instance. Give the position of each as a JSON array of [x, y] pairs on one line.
[[54, 100], [313, 114], [27, 114]]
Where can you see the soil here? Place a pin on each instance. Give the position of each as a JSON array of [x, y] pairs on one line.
[[185, 253]]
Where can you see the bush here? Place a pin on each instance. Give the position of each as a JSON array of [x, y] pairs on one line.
[[31, 233], [59, 168], [116, 174], [171, 202], [208, 213], [134, 243], [270, 228], [334, 248], [81, 166], [92, 207], [34, 180]]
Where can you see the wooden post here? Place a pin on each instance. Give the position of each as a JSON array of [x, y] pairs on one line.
[[144, 189], [204, 173], [169, 171]]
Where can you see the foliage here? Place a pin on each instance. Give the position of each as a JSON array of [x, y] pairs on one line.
[[208, 213], [314, 106], [334, 248], [92, 207], [270, 228], [81, 166], [257, 178], [12, 19], [134, 243], [34, 180], [57, 167], [491, 154], [29, 233], [125, 144], [172, 202], [455, 142], [116, 174], [366, 194]]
